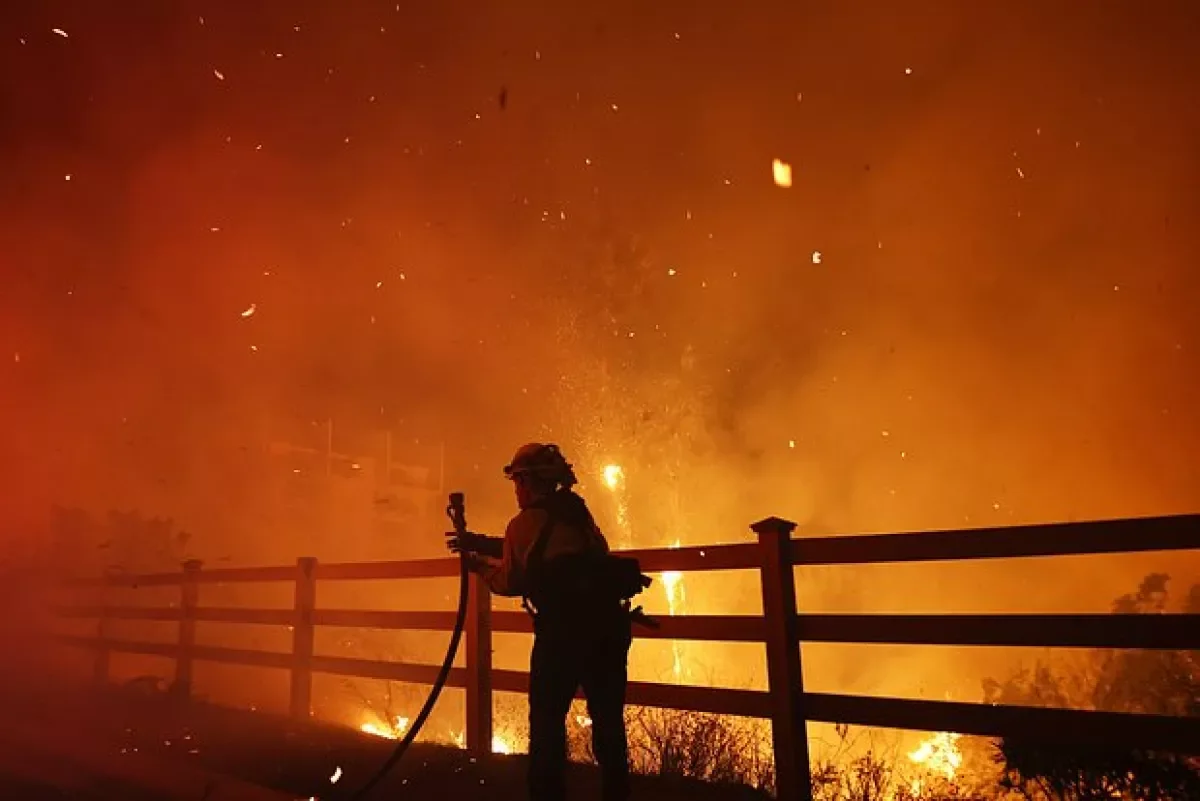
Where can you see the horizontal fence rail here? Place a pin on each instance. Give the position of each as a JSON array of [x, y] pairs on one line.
[[781, 629], [1133, 535]]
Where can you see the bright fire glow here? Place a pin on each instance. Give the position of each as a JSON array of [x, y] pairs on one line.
[[672, 581], [613, 476], [939, 754], [614, 479], [379, 728], [500, 745], [782, 172]]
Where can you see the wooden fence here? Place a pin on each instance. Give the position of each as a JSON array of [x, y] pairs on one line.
[[780, 628]]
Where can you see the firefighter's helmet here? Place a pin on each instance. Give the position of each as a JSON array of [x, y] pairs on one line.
[[542, 460]]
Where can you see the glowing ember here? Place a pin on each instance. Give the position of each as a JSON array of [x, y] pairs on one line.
[[613, 476], [337, 774], [782, 172], [583, 721], [939, 754], [378, 728], [250, 310]]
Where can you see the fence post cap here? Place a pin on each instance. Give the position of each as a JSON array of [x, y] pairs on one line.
[[773, 525]]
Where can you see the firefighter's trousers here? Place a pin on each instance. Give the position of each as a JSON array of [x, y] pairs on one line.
[[589, 651]]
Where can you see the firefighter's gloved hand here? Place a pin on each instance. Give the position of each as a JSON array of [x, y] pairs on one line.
[[457, 543], [472, 543], [468, 541]]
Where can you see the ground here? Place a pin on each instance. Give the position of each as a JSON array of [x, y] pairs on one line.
[[297, 759]]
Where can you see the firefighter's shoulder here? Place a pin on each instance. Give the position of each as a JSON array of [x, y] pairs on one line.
[[525, 527]]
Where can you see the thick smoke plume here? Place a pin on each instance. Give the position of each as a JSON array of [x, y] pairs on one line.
[[475, 224]]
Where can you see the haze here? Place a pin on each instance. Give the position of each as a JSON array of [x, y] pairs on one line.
[[475, 224]]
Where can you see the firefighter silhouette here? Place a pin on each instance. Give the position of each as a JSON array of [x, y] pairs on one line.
[[554, 556]]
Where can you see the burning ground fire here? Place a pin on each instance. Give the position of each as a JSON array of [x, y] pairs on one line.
[[390, 731], [939, 755], [397, 729]]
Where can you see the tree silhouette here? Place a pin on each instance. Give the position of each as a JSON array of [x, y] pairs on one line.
[[1149, 682]]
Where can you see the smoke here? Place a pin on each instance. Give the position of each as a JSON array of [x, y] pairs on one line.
[[483, 224]]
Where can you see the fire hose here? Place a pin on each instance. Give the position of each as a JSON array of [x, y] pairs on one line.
[[458, 517]]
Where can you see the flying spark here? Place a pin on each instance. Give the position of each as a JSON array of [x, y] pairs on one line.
[[782, 172], [60, 32], [816, 257], [220, 75], [250, 310], [337, 774]]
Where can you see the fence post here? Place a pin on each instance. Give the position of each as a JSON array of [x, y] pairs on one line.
[[189, 596], [479, 668], [789, 734], [305, 602]]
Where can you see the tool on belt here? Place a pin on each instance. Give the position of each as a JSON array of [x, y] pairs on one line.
[[584, 579]]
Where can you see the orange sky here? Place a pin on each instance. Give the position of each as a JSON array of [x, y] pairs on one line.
[[1001, 326]]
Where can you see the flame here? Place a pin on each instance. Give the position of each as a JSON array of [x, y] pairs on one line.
[[614, 479], [672, 581], [939, 754], [614, 475], [782, 172], [389, 731], [500, 744]]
